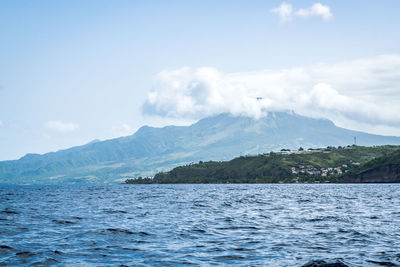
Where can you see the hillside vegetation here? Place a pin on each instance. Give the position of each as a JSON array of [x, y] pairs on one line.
[[326, 165], [385, 169]]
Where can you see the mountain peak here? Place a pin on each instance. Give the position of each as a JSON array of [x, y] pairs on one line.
[[149, 150]]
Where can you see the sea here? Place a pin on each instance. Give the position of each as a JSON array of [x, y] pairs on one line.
[[200, 225]]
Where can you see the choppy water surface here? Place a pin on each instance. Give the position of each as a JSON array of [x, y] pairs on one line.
[[258, 225]]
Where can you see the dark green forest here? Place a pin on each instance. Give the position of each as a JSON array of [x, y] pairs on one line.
[[317, 165]]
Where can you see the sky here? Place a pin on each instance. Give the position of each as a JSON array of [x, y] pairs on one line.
[[75, 71]]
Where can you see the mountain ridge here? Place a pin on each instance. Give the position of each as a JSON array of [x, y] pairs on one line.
[[151, 149]]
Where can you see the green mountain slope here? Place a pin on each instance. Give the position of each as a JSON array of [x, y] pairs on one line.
[[151, 150], [272, 167], [384, 169]]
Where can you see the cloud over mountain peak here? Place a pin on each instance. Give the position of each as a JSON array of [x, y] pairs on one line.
[[361, 91]]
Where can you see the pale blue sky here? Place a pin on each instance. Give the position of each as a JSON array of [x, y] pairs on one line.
[[74, 71]]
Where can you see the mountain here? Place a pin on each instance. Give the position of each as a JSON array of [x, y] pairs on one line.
[[151, 150]]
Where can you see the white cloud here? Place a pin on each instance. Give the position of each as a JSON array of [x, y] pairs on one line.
[[286, 12], [317, 10], [60, 126], [1, 124], [358, 94]]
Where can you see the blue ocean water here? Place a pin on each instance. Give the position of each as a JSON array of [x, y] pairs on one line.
[[170, 225]]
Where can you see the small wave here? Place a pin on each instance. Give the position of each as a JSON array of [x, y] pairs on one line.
[[26, 254], [111, 211], [315, 219], [7, 211], [357, 234], [325, 218], [227, 204], [97, 249], [242, 249], [304, 201], [238, 228], [124, 231], [318, 248], [131, 249], [117, 231], [215, 249], [322, 263], [383, 263], [64, 222], [58, 252], [5, 247], [200, 204], [229, 258], [48, 261], [197, 230]]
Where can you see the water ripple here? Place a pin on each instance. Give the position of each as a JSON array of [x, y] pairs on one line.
[[170, 225]]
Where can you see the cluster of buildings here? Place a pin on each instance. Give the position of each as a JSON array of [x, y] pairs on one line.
[[311, 170], [301, 151]]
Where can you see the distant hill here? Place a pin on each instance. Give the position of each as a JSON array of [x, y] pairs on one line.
[[151, 150], [301, 166], [384, 169]]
